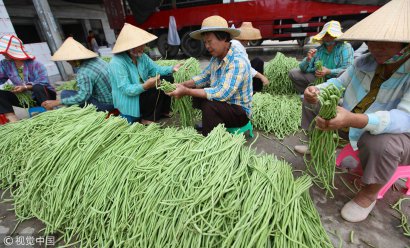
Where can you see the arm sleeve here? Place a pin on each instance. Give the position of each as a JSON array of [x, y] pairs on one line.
[[84, 93], [202, 80], [121, 75], [346, 59], [155, 69], [38, 75]]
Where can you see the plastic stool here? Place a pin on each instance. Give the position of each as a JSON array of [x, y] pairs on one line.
[[35, 110], [241, 129], [403, 171]]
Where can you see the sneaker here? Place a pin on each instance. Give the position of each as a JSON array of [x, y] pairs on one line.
[[353, 212], [302, 149]]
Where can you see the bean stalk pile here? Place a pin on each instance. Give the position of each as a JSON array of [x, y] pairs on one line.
[[279, 114], [277, 71], [319, 67], [103, 183], [24, 98], [69, 85], [322, 144]]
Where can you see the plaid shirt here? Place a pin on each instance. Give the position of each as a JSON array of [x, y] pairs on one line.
[[34, 72], [337, 61], [228, 80], [92, 81], [390, 111]]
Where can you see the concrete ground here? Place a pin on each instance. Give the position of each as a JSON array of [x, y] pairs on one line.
[[379, 230]]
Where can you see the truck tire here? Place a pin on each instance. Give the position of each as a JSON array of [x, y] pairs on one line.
[[192, 47], [167, 51], [255, 42], [345, 26]]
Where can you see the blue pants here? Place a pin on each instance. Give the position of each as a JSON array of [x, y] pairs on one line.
[[91, 100]]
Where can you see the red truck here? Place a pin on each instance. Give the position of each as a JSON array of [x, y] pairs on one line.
[[276, 19]]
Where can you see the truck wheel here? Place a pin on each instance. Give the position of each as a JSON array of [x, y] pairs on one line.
[[345, 26], [166, 50], [255, 42], [191, 47]]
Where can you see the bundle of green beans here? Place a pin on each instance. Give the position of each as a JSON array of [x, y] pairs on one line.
[[166, 86], [25, 99], [277, 71], [279, 114], [103, 183], [183, 106], [319, 67], [403, 217], [322, 145], [69, 85]]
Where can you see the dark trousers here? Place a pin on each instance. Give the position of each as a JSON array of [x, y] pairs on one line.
[[215, 112], [100, 106], [9, 99], [257, 64], [154, 103]]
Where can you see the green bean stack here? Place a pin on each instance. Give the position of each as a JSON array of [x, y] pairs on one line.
[[322, 144], [403, 217], [277, 71], [103, 183], [69, 85], [280, 114], [319, 67], [25, 99], [166, 86]]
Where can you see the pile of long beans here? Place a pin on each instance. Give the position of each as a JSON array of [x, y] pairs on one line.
[[277, 71], [322, 145], [103, 183], [24, 98], [69, 85], [279, 114]]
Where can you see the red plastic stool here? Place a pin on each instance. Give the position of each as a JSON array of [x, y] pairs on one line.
[[403, 171], [3, 119]]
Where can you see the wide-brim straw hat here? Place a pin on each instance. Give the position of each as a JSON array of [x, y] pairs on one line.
[[332, 28], [72, 50], [390, 23], [213, 24], [131, 37], [13, 47], [248, 32]]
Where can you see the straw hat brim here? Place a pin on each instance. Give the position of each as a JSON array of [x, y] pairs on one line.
[[198, 33], [131, 37], [319, 36], [72, 50], [249, 34], [390, 23]]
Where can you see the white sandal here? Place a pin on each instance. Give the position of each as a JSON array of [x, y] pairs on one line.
[[352, 212]]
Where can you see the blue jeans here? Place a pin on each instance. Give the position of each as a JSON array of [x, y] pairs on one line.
[[91, 100]]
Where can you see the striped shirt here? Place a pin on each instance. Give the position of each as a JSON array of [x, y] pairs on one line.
[[390, 111], [92, 81], [241, 49], [228, 80], [34, 73], [127, 80], [337, 60]]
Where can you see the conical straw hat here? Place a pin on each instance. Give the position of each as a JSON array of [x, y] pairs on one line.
[[390, 23], [14, 48], [248, 32], [72, 50], [214, 23], [131, 37]]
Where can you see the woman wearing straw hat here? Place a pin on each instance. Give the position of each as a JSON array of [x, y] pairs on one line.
[[335, 56], [376, 102], [133, 76], [249, 33], [223, 91], [92, 78], [26, 74]]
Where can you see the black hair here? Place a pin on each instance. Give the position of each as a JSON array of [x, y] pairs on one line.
[[220, 35]]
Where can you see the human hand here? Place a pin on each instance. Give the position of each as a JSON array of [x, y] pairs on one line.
[[341, 120], [311, 94], [50, 104], [311, 54], [179, 92], [176, 67], [152, 82], [320, 74], [264, 80], [19, 89]]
